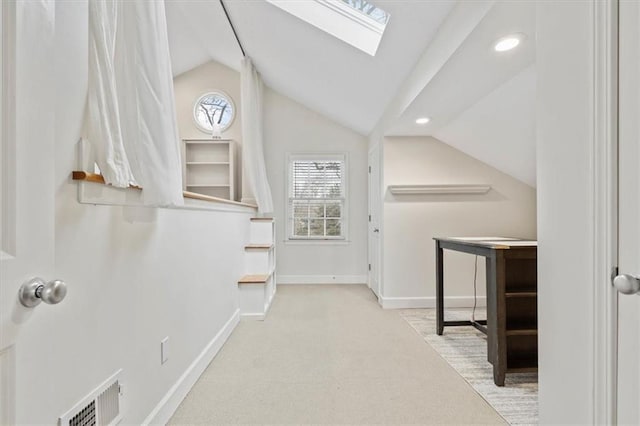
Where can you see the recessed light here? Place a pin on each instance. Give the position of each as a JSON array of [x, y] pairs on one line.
[[507, 43], [423, 120]]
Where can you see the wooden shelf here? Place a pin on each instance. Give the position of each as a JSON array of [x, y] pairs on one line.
[[522, 332], [522, 369], [515, 294], [258, 247], [254, 279]]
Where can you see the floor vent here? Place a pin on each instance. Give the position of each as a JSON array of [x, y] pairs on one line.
[[100, 408]]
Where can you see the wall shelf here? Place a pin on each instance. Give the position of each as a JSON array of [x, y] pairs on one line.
[[457, 189], [208, 167]]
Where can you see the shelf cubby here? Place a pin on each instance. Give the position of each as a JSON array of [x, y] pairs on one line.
[[209, 167]]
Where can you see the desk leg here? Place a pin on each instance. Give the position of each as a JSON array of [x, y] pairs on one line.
[[492, 310], [439, 289], [496, 316]]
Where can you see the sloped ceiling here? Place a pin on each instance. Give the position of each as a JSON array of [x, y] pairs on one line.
[[500, 129], [198, 33], [482, 102], [303, 62], [479, 102]]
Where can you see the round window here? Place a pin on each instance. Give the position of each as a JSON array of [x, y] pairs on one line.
[[214, 109]]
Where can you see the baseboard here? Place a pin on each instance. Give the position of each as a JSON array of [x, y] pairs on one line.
[[322, 279], [429, 302], [254, 317], [170, 402]]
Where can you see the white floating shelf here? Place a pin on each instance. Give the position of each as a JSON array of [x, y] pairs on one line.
[[438, 189]]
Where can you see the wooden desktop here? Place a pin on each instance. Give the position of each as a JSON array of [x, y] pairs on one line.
[[512, 325]]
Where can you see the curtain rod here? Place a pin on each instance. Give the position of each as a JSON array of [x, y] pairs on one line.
[[232, 27]]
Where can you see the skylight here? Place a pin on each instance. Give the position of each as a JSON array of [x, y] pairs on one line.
[[369, 9], [356, 22]]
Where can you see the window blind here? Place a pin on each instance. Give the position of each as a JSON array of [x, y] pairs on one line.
[[316, 203]]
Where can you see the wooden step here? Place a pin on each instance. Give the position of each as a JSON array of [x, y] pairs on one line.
[[254, 279], [261, 219], [258, 247]]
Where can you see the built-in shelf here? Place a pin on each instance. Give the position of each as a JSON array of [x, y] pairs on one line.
[[438, 189], [205, 141], [209, 167]]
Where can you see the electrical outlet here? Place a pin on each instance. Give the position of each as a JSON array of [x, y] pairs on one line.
[[164, 350]]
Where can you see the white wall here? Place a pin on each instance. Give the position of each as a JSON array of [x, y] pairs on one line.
[[291, 128], [565, 210], [411, 222], [134, 277], [209, 77]]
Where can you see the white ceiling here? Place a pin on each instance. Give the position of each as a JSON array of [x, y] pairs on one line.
[[198, 33], [482, 102], [500, 129], [303, 62]]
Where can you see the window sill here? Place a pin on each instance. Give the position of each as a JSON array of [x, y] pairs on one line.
[[317, 242]]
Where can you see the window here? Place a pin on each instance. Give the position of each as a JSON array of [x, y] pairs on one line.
[[317, 203], [369, 10], [356, 22], [213, 108]]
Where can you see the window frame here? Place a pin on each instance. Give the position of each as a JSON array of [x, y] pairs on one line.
[[341, 157]]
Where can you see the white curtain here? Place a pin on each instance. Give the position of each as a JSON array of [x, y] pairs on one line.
[[252, 90], [131, 118]]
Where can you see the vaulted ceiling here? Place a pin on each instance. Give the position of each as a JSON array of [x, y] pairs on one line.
[[479, 101], [303, 62]]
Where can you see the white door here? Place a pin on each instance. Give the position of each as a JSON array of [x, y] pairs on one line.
[[374, 220], [26, 182], [629, 213]]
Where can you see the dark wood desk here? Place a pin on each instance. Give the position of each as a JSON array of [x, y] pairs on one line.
[[512, 295]]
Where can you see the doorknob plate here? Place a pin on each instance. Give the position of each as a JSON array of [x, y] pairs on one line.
[[28, 291]]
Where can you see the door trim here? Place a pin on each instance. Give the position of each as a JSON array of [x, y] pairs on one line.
[[377, 186], [7, 129], [605, 233]]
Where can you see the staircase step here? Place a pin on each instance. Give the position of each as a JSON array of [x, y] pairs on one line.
[[258, 247], [254, 279]]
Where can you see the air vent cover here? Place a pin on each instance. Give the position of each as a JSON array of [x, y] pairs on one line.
[[100, 408]]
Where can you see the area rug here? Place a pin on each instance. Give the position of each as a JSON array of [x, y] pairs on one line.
[[465, 349]]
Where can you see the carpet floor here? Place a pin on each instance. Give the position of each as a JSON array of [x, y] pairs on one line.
[[465, 349], [328, 354]]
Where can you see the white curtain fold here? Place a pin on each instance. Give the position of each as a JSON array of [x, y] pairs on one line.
[[252, 89], [131, 118]]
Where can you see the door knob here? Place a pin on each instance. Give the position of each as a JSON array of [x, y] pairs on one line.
[[376, 230], [36, 290], [627, 284]]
